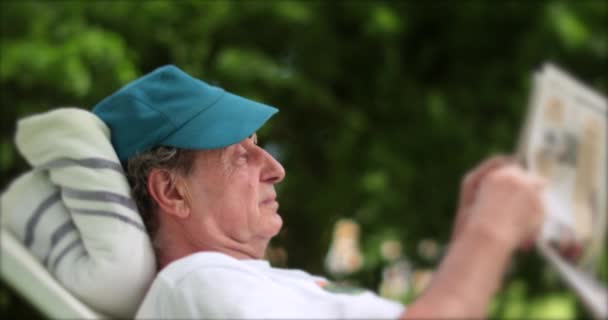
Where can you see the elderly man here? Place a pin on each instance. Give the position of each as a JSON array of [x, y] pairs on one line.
[[205, 190]]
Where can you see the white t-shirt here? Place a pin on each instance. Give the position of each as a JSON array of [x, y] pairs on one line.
[[213, 285]]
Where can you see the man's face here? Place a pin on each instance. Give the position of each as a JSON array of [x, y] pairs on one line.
[[232, 196]]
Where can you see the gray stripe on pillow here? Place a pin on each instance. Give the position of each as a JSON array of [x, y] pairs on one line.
[[96, 195], [73, 244], [93, 163], [62, 231], [57, 236], [110, 214], [32, 222]]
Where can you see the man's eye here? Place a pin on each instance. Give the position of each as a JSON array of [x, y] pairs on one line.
[[253, 138], [243, 157]]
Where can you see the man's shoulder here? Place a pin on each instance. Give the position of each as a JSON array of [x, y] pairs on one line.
[[201, 285], [203, 265], [205, 259]]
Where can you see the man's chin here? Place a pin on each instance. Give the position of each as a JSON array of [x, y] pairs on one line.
[[274, 225], [279, 221]]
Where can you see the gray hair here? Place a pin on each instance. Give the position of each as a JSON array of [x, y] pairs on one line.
[[175, 160]]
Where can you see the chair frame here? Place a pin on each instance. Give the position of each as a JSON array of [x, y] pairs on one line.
[[23, 272]]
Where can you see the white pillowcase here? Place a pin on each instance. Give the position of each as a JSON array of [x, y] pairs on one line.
[[74, 211]]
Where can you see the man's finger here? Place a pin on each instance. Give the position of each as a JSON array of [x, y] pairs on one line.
[[470, 184], [472, 179]]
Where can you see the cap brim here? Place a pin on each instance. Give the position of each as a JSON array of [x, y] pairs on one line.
[[228, 121]]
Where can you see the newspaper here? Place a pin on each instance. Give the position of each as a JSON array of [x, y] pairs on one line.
[[564, 140]]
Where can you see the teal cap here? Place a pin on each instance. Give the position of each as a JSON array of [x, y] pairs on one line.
[[168, 107]]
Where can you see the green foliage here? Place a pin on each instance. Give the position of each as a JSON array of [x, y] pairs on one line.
[[384, 104]]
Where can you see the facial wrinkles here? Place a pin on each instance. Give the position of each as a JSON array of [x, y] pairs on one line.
[[232, 170], [247, 168], [213, 168], [202, 173], [256, 155]]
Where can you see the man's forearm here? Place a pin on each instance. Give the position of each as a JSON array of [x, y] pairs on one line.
[[467, 278]]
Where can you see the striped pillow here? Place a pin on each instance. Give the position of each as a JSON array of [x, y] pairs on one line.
[[74, 212]]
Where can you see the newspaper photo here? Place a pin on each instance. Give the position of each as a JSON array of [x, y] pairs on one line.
[[564, 140]]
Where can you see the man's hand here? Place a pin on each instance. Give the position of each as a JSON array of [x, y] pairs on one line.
[[469, 196], [469, 188], [508, 205]]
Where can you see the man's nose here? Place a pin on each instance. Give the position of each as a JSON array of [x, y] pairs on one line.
[[273, 170]]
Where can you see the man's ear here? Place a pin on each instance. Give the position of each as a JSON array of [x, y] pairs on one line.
[[163, 188]]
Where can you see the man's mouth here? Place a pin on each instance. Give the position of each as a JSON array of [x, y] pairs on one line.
[[270, 202]]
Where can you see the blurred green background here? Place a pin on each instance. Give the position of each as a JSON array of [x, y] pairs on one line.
[[384, 104]]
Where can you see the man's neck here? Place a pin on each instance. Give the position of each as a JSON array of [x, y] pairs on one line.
[[173, 243]]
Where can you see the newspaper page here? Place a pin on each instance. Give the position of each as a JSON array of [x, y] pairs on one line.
[[564, 140]]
